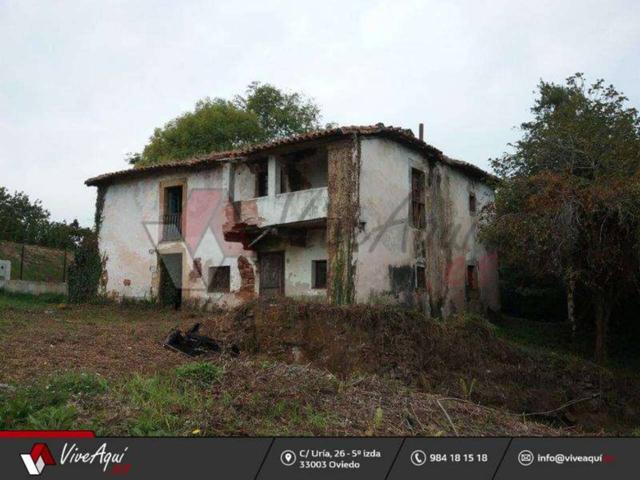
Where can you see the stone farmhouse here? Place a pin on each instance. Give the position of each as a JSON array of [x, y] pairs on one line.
[[349, 214]]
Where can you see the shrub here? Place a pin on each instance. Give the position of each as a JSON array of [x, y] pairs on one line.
[[85, 271]]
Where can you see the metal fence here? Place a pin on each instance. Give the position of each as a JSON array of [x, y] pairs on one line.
[[36, 263]]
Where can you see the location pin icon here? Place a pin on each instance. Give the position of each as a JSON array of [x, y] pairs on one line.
[[288, 458]]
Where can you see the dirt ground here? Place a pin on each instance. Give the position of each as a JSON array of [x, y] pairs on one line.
[[110, 340], [256, 396]]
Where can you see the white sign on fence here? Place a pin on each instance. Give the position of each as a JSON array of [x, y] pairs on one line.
[[5, 270]]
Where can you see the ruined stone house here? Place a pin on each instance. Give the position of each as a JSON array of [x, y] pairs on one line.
[[351, 214]]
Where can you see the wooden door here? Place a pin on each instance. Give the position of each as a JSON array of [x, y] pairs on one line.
[[271, 274]]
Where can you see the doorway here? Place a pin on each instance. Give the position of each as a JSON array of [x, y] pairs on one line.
[[271, 274], [170, 291]]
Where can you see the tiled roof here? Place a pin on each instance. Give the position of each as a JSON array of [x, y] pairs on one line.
[[401, 135]]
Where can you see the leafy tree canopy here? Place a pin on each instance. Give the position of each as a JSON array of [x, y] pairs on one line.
[[26, 221], [568, 203], [262, 114]]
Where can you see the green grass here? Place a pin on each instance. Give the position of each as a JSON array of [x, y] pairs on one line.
[[160, 407], [555, 338], [26, 301], [203, 374], [177, 402]]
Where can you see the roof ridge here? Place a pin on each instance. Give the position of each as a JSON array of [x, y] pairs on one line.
[[398, 133]]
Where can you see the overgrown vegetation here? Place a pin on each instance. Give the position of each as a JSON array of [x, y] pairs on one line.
[[568, 204], [85, 271], [304, 369], [466, 357], [53, 404]]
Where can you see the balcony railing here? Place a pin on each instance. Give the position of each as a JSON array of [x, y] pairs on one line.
[[171, 227]]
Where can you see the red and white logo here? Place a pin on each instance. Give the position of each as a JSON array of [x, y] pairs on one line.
[[39, 457]]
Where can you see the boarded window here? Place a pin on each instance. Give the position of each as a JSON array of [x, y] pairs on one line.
[[421, 278], [319, 274], [471, 277], [418, 211], [219, 279], [472, 203]]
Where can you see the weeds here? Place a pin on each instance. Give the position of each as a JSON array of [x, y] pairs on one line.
[[54, 417], [157, 405], [50, 405], [466, 389], [201, 374], [376, 423]]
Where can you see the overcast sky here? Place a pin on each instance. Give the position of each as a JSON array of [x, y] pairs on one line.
[[82, 83]]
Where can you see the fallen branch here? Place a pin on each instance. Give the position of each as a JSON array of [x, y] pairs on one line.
[[531, 414], [561, 407], [170, 347]]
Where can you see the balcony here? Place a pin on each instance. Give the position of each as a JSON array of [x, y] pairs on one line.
[[292, 208], [171, 227]]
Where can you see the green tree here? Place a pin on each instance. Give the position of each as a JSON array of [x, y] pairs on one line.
[[262, 114], [568, 203], [279, 114], [26, 221]]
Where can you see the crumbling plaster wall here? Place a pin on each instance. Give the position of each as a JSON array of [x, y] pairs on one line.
[[298, 266], [387, 244], [342, 219], [244, 181], [465, 249], [389, 247], [130, 232]]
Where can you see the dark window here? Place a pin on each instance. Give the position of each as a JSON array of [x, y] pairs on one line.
[[472, 203], [172, 215], [173, 200], [219, 279], [421, 279], [319, 274], [262, 181], [418, 218], [471, 277]]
